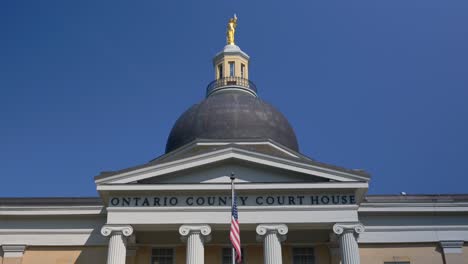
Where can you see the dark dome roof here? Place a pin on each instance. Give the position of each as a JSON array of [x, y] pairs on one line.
[[231, 115]]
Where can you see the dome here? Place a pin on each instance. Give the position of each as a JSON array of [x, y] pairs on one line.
[[231, 115]]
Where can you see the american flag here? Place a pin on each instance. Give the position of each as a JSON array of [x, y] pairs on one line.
[[234, 235]]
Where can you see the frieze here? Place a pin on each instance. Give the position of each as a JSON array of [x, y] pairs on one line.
[[224, 200]]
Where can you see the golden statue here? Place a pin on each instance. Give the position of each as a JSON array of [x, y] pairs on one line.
[[231, 30]]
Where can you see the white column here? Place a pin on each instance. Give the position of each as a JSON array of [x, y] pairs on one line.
[[195, 236], [347, 237], [117, 242], [272, 236]]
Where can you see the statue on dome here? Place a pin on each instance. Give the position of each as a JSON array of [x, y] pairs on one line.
[[231, 30]]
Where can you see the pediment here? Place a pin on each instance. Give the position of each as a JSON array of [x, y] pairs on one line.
[[216, 166], [220, 172]]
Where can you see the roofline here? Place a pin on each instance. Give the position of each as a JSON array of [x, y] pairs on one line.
[[52, 206], [194, 142], [50, 201], [416, 198], [304, 166], [266, 140]]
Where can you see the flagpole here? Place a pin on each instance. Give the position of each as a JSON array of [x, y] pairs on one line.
[[232, 204]]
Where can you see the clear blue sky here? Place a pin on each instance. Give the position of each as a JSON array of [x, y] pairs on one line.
[[87, 86]]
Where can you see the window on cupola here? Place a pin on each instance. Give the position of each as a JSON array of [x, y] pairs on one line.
[[231, 69], [220, 71], [242, 70]]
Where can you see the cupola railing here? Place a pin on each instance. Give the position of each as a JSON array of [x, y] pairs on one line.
[[231, 82]]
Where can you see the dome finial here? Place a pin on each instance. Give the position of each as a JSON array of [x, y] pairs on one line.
[[231, 30]]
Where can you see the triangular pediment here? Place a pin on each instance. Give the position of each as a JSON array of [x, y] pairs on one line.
[[214, 165], [220, 172]]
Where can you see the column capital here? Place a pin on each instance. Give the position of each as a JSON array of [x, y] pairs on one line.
[[117, 242], [203, 230], [13, 251], [355, 228], [279, 229], [126, 230]]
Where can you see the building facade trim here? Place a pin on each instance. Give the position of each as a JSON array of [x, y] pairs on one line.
[[229, 153], [452, 247], [13, 251]]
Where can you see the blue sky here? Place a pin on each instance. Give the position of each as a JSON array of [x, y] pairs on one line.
[[89, 86]]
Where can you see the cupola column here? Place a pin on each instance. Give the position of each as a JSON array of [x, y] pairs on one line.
[[272, 236], [347, 237], [195, 236], [118, 234]]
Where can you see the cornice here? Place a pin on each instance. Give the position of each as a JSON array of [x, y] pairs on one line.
[[413, 207], [223, 154], [51, 210]]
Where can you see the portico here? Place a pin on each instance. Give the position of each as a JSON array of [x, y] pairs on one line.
[[194, 206], [195, 239]]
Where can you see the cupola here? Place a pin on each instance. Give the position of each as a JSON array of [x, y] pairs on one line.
[[231, 66]]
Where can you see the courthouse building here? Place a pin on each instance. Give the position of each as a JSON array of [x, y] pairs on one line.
[[292, 209]]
